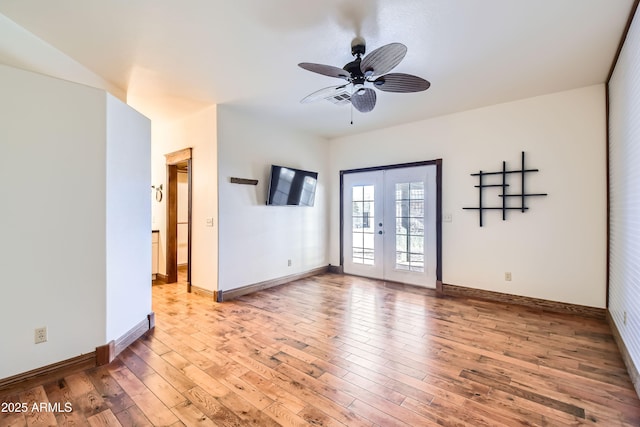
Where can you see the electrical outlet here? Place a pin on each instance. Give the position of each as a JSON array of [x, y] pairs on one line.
[[625, 318], [507, 276], [447, 217], [40, 335], [289, 262]]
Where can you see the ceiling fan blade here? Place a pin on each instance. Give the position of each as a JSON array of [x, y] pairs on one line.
[[364, 100], [327, 70], [322, 94], [383, 59], [400, 82]]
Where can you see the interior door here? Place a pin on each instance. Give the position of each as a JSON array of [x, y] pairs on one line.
[[389, 228]]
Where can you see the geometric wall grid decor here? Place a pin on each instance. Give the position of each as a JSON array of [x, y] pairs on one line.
[[505, 175]]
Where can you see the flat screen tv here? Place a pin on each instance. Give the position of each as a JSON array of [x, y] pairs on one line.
[[291, 187]]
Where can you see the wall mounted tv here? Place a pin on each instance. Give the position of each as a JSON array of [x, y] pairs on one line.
[[291, 187]]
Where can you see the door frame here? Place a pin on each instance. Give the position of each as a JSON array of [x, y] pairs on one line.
[[171, 264], [438, 164]]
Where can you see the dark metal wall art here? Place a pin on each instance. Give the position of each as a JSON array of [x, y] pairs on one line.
[[485, 182]]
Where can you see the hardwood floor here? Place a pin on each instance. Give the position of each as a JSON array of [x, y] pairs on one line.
[[337, 350]]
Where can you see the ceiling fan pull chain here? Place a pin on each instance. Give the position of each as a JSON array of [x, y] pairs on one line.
[[351, 105], [352, 114]]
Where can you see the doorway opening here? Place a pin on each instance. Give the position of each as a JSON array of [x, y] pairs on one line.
[[391, 225], [183, 222], [179, 223]]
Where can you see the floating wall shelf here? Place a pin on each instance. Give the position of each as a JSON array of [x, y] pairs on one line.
[[505, 174], [245, 181]]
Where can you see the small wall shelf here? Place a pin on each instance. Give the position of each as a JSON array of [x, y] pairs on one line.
[[504, 173], [244, 181]]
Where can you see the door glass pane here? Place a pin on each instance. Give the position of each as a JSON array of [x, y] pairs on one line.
[[416, 262], [368, 241], [402, 208], [401, 242], [357, 210], [357, 194], [367, 193], [410, 226], [417, 190], [416, 245], [363, 224], [416, 226]]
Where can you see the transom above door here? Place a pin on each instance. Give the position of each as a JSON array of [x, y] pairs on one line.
[[390, 223]]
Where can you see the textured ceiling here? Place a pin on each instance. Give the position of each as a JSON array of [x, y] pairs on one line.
[[180, 55]]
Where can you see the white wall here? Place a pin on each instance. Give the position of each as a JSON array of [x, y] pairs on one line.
[[624, 159], [128, 230], [199, 131], [556, 250], [75, 219], [19, 48], [52, 221], [257, 240]]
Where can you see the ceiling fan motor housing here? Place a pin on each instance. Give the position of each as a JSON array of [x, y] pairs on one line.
[[353, 68]]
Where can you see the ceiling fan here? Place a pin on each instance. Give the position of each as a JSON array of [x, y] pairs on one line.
[[364, 73]]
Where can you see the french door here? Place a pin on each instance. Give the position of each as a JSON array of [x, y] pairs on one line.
[[389, 224]]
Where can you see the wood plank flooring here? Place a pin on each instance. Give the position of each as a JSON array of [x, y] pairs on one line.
[[335, 350]]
